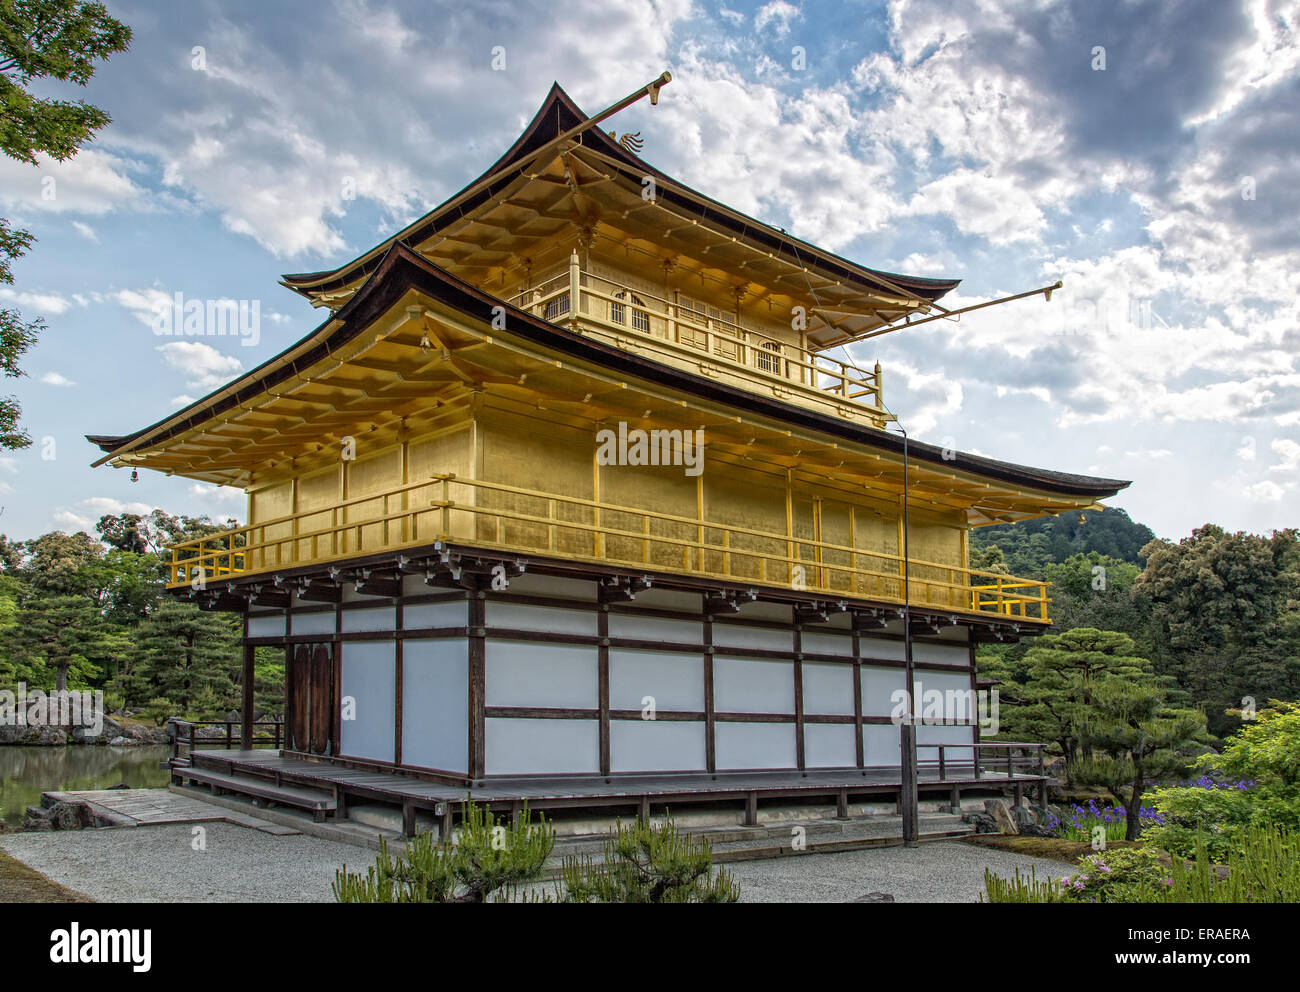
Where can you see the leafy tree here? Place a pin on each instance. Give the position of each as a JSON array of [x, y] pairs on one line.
[[43, 39], [1133, 739], [1030, 546], [1225, 616], [16, 336], [157, 530], [58, 564]]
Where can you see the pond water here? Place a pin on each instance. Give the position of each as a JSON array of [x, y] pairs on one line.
[[26, 772]]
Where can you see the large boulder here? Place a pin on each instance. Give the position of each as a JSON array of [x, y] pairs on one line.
[[1000, 811], [110, 730], [983, 823], [1037, 830], [51, 736]]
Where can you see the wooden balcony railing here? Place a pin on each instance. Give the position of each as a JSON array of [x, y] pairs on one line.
[[508, 518], [694, 332]]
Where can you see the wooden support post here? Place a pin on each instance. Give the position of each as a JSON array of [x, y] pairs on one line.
[[842, 804], [1042, 795], [1018, 794], [751, 809], [477, 684], [246, 714], [445, 824], [954, 799], [907, 795], [643, 809], [602, 664], [408, 819]]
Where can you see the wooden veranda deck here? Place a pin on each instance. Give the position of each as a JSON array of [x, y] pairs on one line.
[[265, 771]]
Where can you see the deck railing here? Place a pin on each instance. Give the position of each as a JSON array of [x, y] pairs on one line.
[[512, 519], [693, 331], [184, 734], [986, 759]]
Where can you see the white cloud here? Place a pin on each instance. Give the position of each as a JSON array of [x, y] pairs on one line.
[[143, 304], [779, 14], [1263, 492], [201, 364], [86, 231], [101, 505], [65, 519], [55, 379], [44, 304], [1288, 451], [93, 182]]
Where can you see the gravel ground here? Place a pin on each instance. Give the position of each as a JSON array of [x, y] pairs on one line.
[[934, 872], [158, 864]]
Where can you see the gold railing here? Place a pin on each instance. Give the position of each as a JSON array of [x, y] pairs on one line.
[[694, 330], [493, 515]]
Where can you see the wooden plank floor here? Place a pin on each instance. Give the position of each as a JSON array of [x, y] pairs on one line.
[[586, 791], [156, 807]]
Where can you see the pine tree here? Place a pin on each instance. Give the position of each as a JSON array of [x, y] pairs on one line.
[[643, 863], [1048, 694], [191, 656], [1134, 739], [487, 860], [62, 635]]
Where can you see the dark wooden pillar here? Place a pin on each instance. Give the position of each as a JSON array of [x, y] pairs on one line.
[[246, 711], [710, 721], [798, 698], [477, 684], [908, 797], [399, 680], [602, 664]]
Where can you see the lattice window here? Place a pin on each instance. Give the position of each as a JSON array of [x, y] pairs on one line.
[[618, 312], [557, 307], [768, 357]]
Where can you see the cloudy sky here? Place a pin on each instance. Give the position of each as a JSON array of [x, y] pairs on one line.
[[1146, 153]]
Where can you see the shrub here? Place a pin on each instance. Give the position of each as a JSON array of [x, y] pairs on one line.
[[160, 710], [1254, 782], [645, 863], [1122, 874], [487, 860], [1264, 868]]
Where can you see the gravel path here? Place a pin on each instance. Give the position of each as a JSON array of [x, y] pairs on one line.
[[158, 864], [934, 872]]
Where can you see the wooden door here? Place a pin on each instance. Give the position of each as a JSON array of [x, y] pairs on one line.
[[298, 691], [311, 699], [321, 725]]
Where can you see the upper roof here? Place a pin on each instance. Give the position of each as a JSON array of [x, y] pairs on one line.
[[841, 285]]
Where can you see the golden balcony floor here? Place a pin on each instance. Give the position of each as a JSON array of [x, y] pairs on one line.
[[494, 516]]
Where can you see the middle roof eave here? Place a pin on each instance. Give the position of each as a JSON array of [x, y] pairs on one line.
[[403, 269]]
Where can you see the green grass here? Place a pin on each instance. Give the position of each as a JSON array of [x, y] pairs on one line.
[[18, 883]]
